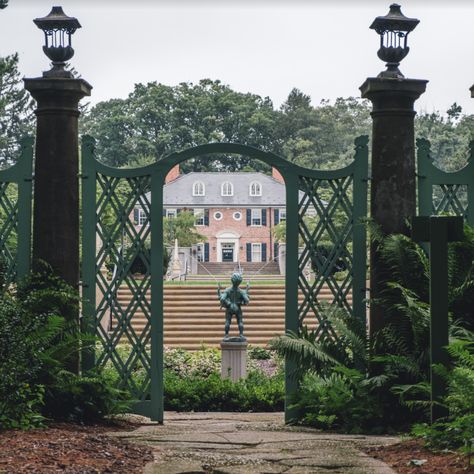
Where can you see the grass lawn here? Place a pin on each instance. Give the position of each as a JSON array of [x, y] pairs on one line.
[[224, 280]]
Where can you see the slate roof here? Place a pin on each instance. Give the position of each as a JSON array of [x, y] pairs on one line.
[[179, 193]]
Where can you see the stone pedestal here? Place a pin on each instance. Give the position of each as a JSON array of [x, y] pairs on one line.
[[234, 359]]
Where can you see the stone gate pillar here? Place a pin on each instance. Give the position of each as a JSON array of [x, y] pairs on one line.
[[393, 184], [56, 184]]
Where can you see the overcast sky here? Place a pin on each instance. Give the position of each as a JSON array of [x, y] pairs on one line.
[[325, 48]]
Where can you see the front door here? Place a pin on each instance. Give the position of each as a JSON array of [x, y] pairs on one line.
[[227, 252]]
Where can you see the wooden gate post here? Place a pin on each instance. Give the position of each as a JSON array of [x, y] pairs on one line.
[[438, 231]]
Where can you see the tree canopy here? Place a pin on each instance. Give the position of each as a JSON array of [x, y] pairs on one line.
[[16, 109], [157, 119], [181, 227]]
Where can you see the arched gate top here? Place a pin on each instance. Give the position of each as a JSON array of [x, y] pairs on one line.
[[164, 165]]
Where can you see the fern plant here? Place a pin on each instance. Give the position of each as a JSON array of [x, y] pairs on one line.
[[39, 346], [456, 431], [311, 350], [335, 388]]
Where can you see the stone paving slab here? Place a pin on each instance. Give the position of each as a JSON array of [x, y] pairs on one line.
[[256, 443]]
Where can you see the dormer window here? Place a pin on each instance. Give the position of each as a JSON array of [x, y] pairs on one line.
[[255, 188], [227, 189], [199, 189]]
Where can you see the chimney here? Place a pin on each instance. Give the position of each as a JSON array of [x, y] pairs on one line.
[[276, 175], [172, 175]]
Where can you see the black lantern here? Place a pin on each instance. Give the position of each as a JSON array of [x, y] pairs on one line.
[[58, 29], [393, 29]]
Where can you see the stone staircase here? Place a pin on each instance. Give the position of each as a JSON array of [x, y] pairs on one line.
[[192, 316]]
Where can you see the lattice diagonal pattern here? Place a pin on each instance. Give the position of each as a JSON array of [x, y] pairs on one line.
[[8, 231], [325, 225], [120, 244], [451, 198]]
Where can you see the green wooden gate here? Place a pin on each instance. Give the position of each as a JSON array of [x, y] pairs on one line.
[[15, 215], [441, 191], [336, 201]]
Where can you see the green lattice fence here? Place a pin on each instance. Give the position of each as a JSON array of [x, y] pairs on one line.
[[15, 215], [331, 225], [441, 191], [112, 242], [336, 202]]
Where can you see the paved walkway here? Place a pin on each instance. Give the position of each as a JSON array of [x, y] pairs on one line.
[[228, 443]]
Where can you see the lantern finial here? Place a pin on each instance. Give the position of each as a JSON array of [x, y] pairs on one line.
[[393, 29], [58, 29]]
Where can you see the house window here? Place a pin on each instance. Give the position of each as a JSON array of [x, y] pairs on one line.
[[200, 252], [256, 217], [199, 189], [198, 216], [142, 217], [256, 252], [171, 213], [282, 213], [255, 189], [237, 216], [217, 216], [227, 189]]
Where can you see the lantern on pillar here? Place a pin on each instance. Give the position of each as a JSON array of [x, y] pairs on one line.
[[58, 29], [393, 29]]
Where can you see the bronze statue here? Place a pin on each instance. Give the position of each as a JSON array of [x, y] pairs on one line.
[[232, 299]]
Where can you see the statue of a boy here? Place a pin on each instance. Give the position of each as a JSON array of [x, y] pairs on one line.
[[232, 299]]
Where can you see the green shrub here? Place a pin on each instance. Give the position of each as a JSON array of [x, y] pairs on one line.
[[258, 353], [39, 350], [87, 398], [343, 400], [457, 430], [22, 338], [453, 434], [211, 393], [199, 363]]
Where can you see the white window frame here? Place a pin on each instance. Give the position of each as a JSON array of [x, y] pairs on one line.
[[280, 213], [255, 189], [227, 189], [237, 216], [256, 252], [200, 251], [199, 189], [172, 213], [256, 221], [142, 218], [218, 218], [199, 217]]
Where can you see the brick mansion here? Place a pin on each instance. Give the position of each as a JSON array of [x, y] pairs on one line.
[[235, 211]]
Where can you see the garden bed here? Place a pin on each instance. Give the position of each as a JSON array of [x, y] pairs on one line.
[[72, 449], [411, 457]]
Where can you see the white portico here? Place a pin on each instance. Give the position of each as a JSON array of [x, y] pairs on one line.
[[227, 243]]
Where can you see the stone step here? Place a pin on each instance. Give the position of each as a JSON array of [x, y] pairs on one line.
[[213, 294], [192, 316]]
